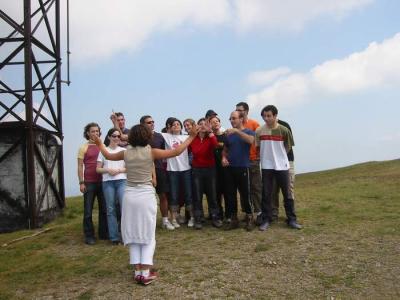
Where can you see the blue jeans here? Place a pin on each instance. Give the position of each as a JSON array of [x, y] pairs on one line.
[[113, 192], [175, 180], [94, 190]]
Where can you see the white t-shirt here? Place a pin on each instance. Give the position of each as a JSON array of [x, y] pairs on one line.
[[180, 162], [272, 143], [112, 164]]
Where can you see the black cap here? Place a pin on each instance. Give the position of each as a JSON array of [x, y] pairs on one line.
[[210, 113]]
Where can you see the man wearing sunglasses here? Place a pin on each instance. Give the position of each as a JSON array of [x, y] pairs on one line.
[[162, 186]]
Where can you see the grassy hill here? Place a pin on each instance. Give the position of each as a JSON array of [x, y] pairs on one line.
[[349, 248]]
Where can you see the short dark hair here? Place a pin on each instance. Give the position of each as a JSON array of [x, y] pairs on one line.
[[119, 114], [244, 104], [143, 119], [139, 135], [270, 108], [87, 128], [201, 120]]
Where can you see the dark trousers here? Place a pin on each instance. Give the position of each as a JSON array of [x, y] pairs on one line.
[[220, 171], [282, 180], [94, 190], [237, 178], [255, 185], [204, 181]]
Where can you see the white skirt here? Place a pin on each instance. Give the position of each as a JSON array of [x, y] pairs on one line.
[[139, 214]]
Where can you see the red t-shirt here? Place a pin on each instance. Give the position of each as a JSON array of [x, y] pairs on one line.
[[89, 154], [203, 151]]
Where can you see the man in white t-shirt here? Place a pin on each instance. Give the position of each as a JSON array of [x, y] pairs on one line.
[[274, 141]]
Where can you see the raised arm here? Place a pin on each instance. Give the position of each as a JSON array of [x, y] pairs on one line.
[[249, 139], [110, 156], [161, 154]]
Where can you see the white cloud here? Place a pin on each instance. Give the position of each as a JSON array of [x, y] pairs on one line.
[[376, 66], [266, 77], [103, 28], [99, 29], [289, 14]]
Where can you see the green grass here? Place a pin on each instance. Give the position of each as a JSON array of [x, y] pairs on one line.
[[349, 248]]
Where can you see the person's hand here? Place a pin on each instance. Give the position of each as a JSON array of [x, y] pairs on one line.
[[154, 181], [194, 131], [230, 131], [97, 141], [224, 162], [82, 188], [207, 126], [113, 117], [113, 172]]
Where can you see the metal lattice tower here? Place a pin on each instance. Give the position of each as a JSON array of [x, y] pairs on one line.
[[31, 132]]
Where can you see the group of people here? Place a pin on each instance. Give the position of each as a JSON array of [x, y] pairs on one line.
[[133, 165]]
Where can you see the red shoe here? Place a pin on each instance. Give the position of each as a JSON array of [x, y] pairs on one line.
[[149, 279], [138, 278]]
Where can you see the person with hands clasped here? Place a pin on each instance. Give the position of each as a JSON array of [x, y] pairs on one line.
[[114, 181], [139, 209], [90, 184], [204, 174], [235, 157]]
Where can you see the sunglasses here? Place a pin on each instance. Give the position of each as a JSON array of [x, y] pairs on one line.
[[150, 122], [115, 136]]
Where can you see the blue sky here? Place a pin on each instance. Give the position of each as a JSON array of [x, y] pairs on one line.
[[331, 67]]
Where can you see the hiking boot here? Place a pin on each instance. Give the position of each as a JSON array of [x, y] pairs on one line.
[[249, 223], [233, 224]]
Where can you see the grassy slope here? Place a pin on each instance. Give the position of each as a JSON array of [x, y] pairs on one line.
[[349, 249]]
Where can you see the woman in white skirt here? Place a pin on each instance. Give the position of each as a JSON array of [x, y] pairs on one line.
[[139, 205]]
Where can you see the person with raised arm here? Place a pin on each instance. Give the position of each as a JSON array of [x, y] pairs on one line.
[[139, 205]]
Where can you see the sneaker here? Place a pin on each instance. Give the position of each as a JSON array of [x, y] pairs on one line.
[[198, 225], [191, 222], [138, 278], [216, 222], [180, 219], [264, 226], [259, 220], [167, 225], [294, 225], [149, 279], [90, 241], [175, 224]]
